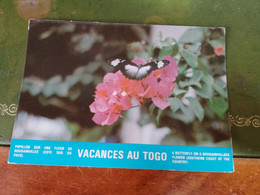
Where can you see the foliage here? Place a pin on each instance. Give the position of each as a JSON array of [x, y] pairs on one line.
[[199, 96], [201, 81], [201, 90]]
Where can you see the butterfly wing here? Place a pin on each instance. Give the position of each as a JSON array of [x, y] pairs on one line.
[[155, 65], [117, 62], [128, 68], [143, 71], [146, 69], [135, 72]]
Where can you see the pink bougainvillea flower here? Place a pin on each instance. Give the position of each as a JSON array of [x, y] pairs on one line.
[[161, 83], [114, 95], [185, 46], [110, 100], [219, 50]]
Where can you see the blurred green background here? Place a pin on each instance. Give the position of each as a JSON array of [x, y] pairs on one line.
[[240, 18]]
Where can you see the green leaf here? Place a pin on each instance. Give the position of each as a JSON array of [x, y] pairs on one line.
[[192, 35], [71, 80], [143, 55], [184, 84], [173, 139], [47, 33], [92, 135], [190, 58], [151, 109], [203, 64], [206, 91], [219, 105], [168, 40], [165, 51], [187, 116], [51, 85], [207, 78], [176, 104], [196, 107], [62, 90], [158, 116], [152, 48], [73, 127], [195, 80], [217, 42], [177, 91], [86, 79], [182, 68], [175, 50], [197, 75], [219, 89], [209, 113], [92, 67]]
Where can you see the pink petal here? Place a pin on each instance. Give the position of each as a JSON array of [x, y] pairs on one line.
[[101, 86], [101, 105], [112, 118], [92, 108], [105, 118], [139, 61], [170, 72], [126, 102], [109, 77], [99, 118], [164, 89], [160, 103]]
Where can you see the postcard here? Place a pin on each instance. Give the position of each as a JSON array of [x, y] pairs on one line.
[[124, 96]]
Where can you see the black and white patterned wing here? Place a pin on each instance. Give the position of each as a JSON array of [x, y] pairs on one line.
[[155, 65], [117, 63], [135, 72], [128, 68], [146, 69]]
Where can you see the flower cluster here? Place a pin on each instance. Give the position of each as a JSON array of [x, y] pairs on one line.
[[114, 95], [219, 50]]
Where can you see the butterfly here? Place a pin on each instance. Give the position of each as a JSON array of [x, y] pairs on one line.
[[134, 71]]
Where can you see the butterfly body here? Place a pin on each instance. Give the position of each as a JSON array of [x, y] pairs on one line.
[[134, 71]]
